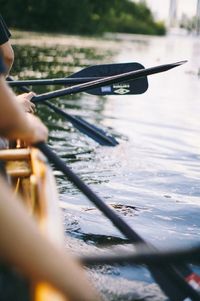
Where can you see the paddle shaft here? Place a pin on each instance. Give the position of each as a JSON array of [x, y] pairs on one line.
[[142, 255], [168, 278], [85, 127], [53, 81]]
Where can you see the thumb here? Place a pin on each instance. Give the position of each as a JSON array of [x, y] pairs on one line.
[[30, 95]]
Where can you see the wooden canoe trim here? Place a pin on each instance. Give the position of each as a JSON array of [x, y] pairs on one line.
[[15, 154], [32, 179], [18, 168], [47, 213], [45, 292]]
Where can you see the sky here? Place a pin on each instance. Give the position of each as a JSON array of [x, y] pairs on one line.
[[160, 8]]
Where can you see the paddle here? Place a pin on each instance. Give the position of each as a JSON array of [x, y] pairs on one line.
[[92, 73], [170, 281], [105, 82], [83, 126], [142, 255], [97, 134]]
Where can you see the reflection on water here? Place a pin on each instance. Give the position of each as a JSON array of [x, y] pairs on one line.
[[152, 177]]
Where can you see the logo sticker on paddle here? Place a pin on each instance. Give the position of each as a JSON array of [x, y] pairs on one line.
[[117, 89], [121, 89]]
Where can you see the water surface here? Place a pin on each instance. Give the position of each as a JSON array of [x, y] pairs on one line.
[[152, 177]]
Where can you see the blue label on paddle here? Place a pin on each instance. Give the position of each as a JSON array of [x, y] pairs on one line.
[[106, 89]]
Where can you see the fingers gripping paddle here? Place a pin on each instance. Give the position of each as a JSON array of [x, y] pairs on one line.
[[90, 130], [137, 86], [92, 73]]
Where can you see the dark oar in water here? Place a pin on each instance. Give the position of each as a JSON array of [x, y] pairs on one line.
[[167, 276], [95, 72], [97, 134], [106, 82], [142, 255]]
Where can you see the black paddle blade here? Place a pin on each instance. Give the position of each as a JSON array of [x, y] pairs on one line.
[[130, 87], [105, 81]]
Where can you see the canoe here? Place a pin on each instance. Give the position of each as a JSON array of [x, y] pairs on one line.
[[31, 177]]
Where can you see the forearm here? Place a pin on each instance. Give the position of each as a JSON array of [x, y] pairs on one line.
[[14, 123], [8, 55], [34, 255], [13, 120]]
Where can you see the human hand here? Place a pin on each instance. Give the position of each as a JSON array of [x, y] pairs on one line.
[[25, 100], [37, 131]]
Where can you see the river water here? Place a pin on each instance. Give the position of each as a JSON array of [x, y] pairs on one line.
[[152, 177]]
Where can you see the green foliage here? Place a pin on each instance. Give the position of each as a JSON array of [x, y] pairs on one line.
[[80, 16]]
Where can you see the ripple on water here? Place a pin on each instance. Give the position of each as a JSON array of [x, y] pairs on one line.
[[152, 178]]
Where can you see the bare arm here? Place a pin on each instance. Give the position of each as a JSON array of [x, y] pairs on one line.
[[35, 255], [14, 123], [8, 55]]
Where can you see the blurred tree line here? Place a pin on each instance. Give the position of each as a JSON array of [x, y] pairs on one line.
[[80, 16]]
